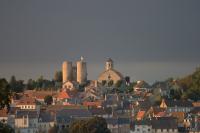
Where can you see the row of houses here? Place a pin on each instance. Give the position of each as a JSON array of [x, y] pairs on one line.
[[124, 112], [29, 115]]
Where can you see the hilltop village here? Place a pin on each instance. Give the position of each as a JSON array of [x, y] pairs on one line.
[[126, 106]]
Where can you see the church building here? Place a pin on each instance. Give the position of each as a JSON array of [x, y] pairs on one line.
[[110, 74]]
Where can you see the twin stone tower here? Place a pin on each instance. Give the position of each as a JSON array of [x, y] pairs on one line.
[[74, 73]]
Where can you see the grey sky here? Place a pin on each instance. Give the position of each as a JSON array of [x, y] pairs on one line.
[[148, 40]]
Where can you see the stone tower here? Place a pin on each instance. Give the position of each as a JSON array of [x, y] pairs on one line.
[[109, 64], [81, 71], [67, 71]]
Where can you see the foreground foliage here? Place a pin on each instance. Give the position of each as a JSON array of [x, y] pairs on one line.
[[4, 128], [5, 94], [93, 125]]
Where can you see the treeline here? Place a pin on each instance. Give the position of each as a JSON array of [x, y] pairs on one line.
[[187, 87], [190, 86], [39, 84]]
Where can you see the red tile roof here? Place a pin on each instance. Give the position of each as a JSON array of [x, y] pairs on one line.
[[3, 113], [140, 115], [27, 101], [63, 95], [97, 104]]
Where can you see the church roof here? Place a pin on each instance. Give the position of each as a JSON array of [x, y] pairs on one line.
[[109, 60], [113, 70]]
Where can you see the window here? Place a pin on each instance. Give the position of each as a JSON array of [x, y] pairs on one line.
[[25, 121], [149, 129], [138, 129]]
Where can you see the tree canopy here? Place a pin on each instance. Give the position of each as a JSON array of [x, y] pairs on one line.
[[5, 94], [48, 99], [58, 76], [16, 85], [191, 85], [4, 128], [93, 125]]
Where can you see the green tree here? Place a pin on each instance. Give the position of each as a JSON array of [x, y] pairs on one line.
[[118, 83], [97, 125], [16, 86], [5, 94], [48, 99], [40, 82], [129, 88], [191, 85], [93, 125], [13, 83], [176, 94], [58, 76], [30, 84], [4, 128], [156, 97]]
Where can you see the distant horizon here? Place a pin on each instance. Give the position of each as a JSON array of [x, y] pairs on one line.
[[136, 70]]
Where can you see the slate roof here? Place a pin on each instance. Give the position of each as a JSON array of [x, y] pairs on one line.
[[66, 115], [117, 121], [112, 100], [164, 123], [74, 113], [24, 113], [178, 103], [46, 116], [145, 105], [142, 122], [97, 111]]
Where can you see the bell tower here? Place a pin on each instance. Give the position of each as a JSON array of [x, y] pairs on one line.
[[109, 64]]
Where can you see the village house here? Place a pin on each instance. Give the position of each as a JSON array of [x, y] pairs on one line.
[[176, 105], [142, 86], [46, 121], [118, 125], [164, 125], [65, 116], [71, 85], [26, 121], [28, 103], [144, 126]]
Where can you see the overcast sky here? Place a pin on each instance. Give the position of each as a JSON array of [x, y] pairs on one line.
[[147, 39]]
